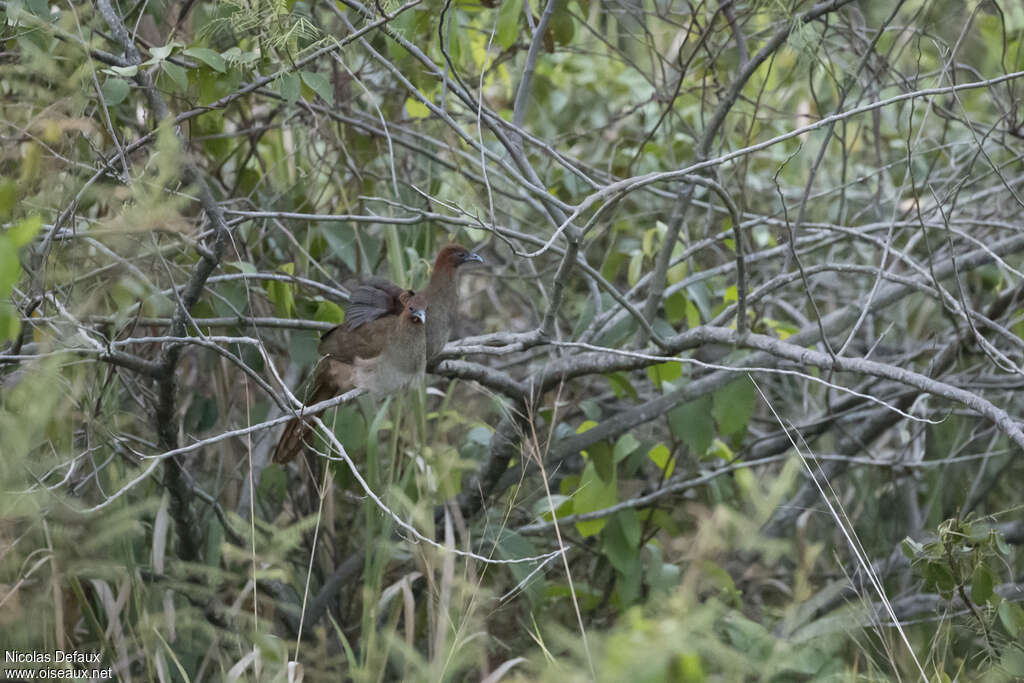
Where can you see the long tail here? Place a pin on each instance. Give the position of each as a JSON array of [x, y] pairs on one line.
[[298, 432]]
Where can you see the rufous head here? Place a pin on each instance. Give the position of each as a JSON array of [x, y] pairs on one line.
[[454, 255]]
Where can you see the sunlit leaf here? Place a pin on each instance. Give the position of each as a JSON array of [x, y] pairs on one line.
[[593, 494], [664, 372], [329, 312], [416, 109], [661, 456]]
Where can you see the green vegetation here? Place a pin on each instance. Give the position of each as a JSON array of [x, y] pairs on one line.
[[736, 397]]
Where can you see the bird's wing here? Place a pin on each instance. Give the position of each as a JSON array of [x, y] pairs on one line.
[[367, 341], [373, 299]]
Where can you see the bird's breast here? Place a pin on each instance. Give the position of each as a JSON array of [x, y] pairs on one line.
[[401, 364]]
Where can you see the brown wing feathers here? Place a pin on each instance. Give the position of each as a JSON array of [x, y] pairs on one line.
[[370, 320], [371, 300], [381, 315]]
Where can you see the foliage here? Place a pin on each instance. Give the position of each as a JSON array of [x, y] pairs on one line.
[[734, 399]]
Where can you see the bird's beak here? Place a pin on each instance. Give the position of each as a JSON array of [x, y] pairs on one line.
[[472, 256], [419, 314]]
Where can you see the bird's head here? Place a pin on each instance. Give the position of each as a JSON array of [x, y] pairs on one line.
[[454, 255], [414, 307]]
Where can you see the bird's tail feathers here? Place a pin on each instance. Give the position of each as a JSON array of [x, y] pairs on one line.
[[297, 433]]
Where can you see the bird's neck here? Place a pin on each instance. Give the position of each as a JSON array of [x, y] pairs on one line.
[[442, 284]]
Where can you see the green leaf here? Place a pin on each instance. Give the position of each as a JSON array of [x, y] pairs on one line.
[[416, 109], [1012, 616], [675, 307], [8, 196], [210, 58], [1012, 660], [114, 91], [319, 84], [176, 73], [981, 584], [10, 323], [562, 26], [662, 576], [122, 71], [508, 23], [1001, 545], [911, 548], [621, 541], [160, 53], [39, 8], [699, 296], [691, 423], [561, 504], [512, 546], [214, 541], [721, 451], [661, 456], [635, 268], [748, 636], [604, 461], [10, 267], [593, 494], [733, 405], [622, 386], [939, 575], [647, 243], [329, 312], [625, 446], [663, 520], [22, 233], [242, 266], [692, 314], [290, 87], [280, 293], [664, 372], [689, 667]]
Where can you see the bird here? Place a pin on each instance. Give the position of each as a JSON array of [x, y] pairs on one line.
[[380, 347], [443, 296]]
